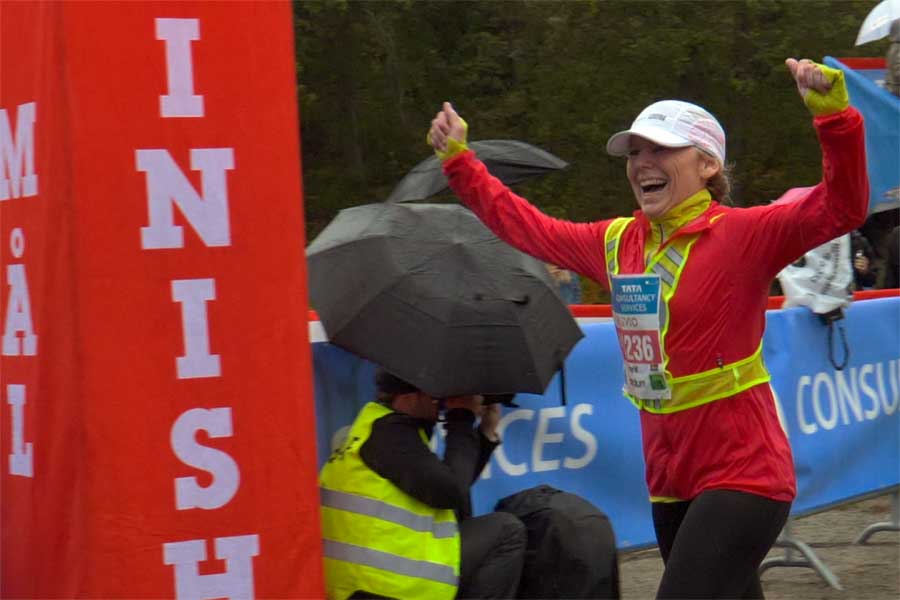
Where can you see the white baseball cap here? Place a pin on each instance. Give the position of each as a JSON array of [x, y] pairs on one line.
[[673, 124]]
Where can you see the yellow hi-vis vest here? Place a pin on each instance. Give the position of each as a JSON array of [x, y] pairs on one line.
[[695, 389], [377, 538]]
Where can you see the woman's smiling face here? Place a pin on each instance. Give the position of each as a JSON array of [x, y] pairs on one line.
[[661, 178]]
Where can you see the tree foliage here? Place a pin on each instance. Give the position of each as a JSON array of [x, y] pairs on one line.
[[562, 76]]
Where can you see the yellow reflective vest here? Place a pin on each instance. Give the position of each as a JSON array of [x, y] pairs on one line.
[[377, 538], [695, 389]]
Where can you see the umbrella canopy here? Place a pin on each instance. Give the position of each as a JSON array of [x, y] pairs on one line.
[[430, 294], [877, 23], [511, 161]]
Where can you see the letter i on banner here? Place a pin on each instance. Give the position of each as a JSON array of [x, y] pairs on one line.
[[178, 35], [193, 295]]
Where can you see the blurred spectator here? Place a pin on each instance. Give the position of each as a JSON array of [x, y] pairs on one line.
[[864, 274], [892, 261], [891, 248], [567, 282], [877, 229], [892, 78]]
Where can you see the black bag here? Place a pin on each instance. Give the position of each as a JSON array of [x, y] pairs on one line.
[[571, 549]]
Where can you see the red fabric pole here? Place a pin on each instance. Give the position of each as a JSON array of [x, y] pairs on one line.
[[156, 374]]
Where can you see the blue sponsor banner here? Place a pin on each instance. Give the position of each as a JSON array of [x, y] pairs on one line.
[[343, 385], [881, 111], [844, 426]]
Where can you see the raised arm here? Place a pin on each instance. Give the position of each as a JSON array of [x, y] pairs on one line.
[[780, 233], [575, 246]]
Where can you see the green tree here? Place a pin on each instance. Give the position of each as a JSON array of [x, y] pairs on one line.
[[560, 75]]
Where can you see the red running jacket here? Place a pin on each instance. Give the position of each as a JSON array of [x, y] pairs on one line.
[[718, 312]]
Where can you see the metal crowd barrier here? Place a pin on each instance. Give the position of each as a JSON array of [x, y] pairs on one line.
[[806, 557]]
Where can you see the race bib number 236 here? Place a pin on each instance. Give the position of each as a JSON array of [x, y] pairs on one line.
[[636, 312]]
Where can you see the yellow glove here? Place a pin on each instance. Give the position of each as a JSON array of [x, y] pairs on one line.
[[834, 100]]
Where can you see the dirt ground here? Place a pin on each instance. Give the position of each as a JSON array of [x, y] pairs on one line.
[[866, 572]]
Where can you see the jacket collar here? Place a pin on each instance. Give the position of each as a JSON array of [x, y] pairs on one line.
[[689, 216]]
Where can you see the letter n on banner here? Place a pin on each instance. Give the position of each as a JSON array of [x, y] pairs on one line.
[[156, 409]]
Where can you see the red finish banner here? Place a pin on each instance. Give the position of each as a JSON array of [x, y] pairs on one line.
[[156, 412]]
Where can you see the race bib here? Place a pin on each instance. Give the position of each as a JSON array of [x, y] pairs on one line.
[[636, 305]]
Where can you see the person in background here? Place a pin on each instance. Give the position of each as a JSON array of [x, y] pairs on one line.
[[397, 519], [877, 230], [892, 260], [567, 283], [696, 272], [892, 77], [863, 256]]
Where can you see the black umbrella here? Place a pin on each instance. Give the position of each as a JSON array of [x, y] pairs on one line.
[[430, 294], [511, 161]]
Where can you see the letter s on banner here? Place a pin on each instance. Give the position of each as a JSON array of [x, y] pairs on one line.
[[223, 468], [542, 437], [582, 435]]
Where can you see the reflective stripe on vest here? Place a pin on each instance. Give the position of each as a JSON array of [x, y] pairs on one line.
[[377, 538], [389, 562], [613, 235], [696, 389], [386, 512]]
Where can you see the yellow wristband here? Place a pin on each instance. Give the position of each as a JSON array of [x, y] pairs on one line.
[[454, 146], [834, 100]]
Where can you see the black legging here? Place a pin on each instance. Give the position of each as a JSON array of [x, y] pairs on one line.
[[712, 545]]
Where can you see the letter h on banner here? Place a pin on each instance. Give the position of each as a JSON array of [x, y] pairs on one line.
[[236, 582]]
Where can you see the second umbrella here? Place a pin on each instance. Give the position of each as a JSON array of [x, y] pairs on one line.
[[510, 161]]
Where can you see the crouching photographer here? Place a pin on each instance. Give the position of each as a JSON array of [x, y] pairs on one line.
[[397, 519]]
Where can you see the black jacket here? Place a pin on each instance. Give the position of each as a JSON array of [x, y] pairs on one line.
[[396, 452]]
